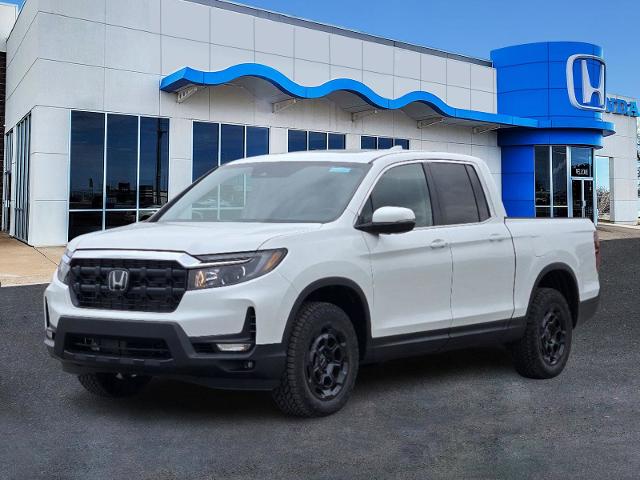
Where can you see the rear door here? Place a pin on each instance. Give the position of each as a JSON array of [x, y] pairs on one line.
[[481, 246], [411, 271]]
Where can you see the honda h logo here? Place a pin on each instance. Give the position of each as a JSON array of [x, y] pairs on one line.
[[118, 280], [588, 87]]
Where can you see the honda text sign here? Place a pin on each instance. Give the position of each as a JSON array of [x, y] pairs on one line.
[[591, 82]]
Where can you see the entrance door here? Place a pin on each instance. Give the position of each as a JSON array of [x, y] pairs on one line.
[[6, 182], [582, 193]]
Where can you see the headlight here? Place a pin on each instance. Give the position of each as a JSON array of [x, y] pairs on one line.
[[64, 266], [232, 268]]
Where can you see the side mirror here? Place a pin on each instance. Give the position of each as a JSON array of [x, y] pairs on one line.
[[390, 220]]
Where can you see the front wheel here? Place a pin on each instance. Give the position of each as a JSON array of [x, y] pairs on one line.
[[544, 349], [113, 384], [322, 362]]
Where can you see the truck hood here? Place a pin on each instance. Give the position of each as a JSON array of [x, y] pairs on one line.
[[195, 238]]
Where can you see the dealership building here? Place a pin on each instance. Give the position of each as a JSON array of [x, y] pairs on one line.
[[112, 107]]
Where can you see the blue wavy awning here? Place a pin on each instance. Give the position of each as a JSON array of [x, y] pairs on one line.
[[192, 77]]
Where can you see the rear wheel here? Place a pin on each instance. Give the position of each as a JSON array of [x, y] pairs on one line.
[[544, 349], [113, 384], [322, 362]]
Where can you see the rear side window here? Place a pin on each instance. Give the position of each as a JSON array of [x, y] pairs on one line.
[[481, 200], [403, 186], [457, 199]]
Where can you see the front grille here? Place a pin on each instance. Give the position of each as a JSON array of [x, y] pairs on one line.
[[118, 346], [153, 285]]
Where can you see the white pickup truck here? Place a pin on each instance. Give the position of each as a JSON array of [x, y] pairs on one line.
[[288, 272]]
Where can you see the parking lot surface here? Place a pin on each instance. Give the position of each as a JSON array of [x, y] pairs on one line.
[[456, 415]]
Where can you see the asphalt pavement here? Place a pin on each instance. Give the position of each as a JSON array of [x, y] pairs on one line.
[[456, 415]]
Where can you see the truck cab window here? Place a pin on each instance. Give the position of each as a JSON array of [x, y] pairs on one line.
[[403, 186], [458, 203]]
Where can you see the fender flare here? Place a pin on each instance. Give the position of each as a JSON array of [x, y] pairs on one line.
[[549, 268], [328, 282]]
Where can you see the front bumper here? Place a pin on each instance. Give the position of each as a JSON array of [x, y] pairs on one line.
[[258, 369]]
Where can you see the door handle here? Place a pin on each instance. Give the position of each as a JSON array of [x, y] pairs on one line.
[[496, 237], [438, 243]]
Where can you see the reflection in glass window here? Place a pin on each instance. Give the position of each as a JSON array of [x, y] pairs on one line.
[[86, 160], [132, 154], [581, 162], [231, 143], [122, 161], [297, 141], [257, 141], [542, 177], [154, 162], [205, 147]]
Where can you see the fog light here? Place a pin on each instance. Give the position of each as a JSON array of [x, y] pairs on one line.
[[233, 347], [50, 333]]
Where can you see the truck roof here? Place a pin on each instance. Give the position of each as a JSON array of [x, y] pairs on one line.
[[357, 156]]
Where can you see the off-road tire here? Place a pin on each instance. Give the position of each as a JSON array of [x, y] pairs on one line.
[[113, 385], [297, 394], [531, 352]]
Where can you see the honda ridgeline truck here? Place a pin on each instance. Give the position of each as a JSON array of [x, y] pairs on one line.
[[288, 272]]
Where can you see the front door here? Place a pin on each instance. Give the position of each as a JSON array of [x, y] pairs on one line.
[[481, 248], [582, 198], [412, 271]]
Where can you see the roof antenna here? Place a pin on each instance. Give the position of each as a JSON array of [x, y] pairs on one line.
[[395, 148]]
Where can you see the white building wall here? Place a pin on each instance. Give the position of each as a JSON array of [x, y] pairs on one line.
[[621, 149], [110, 55]]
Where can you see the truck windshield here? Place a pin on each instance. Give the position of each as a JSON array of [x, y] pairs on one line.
[[299, 192]]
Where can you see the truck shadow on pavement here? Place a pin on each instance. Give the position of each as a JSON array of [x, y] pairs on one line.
[[375, 381]]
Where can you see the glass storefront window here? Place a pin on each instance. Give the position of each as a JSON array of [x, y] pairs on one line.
[[122, 161], [557, 167], [543, 178], [132, 154], [559, 181], [154, 162], [302, 141], [381, 143], [206, 137], [337, 141], [87, 160], [215, 144], [257, 141], [231, 143], [581, 162]]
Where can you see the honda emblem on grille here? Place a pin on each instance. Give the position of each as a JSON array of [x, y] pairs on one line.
[[118, 280]]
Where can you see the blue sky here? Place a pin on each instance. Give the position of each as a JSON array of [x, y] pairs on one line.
[[474, 27]]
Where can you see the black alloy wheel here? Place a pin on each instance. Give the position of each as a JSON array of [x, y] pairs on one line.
[[322, 362], [543, 350], [552, 338], [328, 363]]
